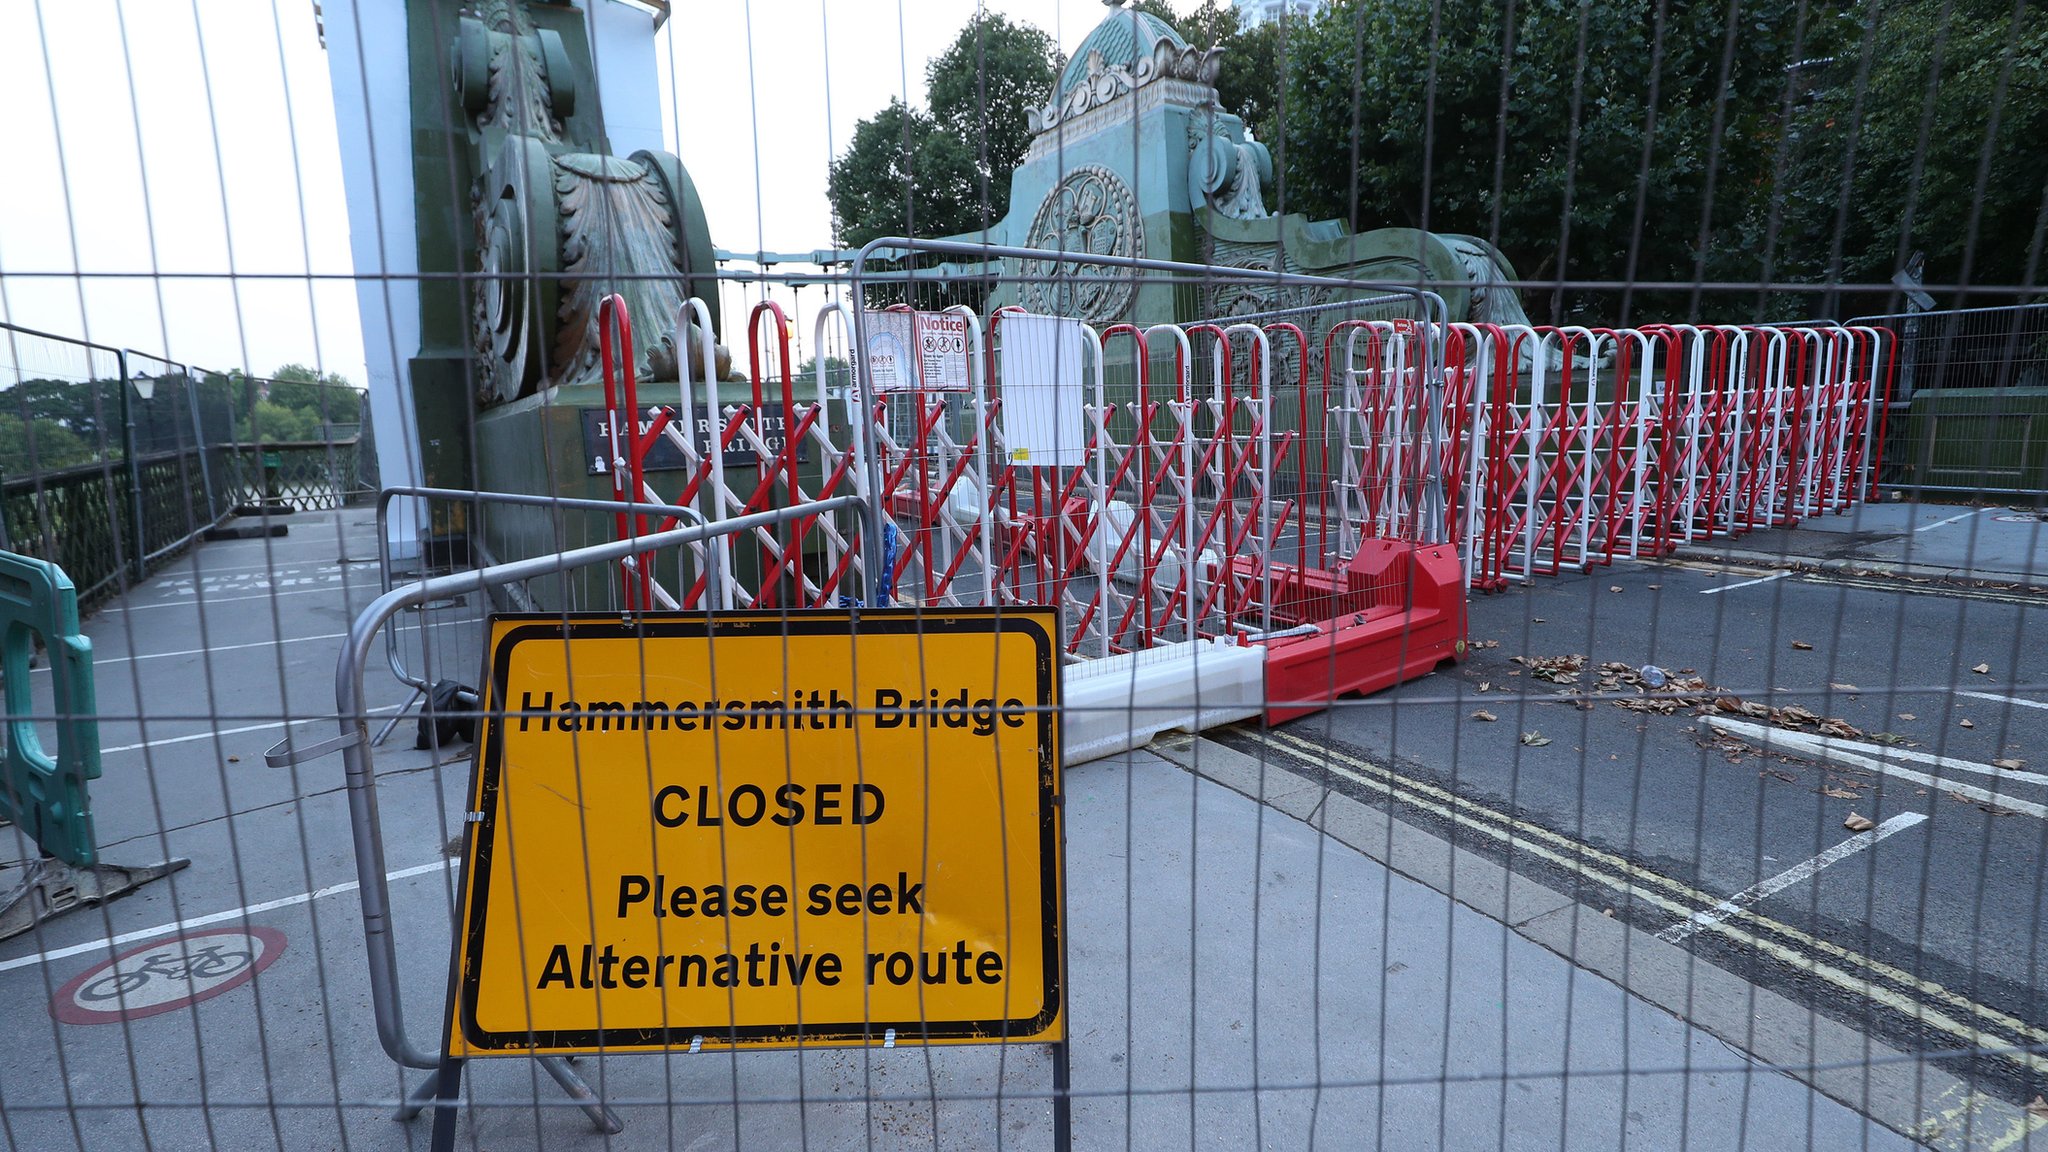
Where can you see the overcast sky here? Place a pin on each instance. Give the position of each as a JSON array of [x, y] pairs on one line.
[[126, 121]]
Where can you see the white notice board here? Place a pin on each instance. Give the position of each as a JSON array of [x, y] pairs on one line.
[[908, 351], [1042, 390]]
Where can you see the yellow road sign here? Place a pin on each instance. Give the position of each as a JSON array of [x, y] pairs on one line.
[[764, 830]]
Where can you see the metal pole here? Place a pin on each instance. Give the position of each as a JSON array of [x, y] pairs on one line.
[[134, 469], [199, 439]]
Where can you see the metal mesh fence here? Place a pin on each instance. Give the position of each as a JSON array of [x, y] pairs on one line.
[[1309, 575]]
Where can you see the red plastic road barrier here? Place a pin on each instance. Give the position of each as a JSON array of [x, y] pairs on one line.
[[1401, 615]]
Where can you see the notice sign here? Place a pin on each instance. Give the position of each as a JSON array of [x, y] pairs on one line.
[[910, 351], [788, 828]]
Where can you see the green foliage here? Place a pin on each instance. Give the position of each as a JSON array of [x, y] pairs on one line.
[[1596, 179], [947, 172], [40, 445], [979, 90], [1971, 193], [296, 403], [328, 396], [273, 423], [902, 176]]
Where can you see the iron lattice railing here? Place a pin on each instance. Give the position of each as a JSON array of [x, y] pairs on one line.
[[308, 475], [80, 519]]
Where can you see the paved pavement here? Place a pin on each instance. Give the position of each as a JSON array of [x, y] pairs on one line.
[[1251, 967]]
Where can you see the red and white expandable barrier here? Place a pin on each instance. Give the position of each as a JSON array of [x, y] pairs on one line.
[[1225, 538]]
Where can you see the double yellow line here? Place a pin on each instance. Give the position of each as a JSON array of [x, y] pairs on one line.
[[1919, 999]]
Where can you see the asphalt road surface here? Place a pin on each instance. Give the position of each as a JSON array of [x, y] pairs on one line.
[[1929, 931]]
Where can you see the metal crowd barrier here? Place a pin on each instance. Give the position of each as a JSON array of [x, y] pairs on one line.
[[359, 758]]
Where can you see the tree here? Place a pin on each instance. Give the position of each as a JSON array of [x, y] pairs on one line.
[[943, 173], [902, 176], [1600, 175], [39, 445], [1971, 192], [327, 395], [979, 90]]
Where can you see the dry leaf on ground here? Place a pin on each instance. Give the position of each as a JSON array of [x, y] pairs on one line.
[[1535, 739], [1483, 714], [1907, 716], [1845, 687], [1614, 587], [1859, 823], [1802, 645], [2010, 764], [1982, 669], [1967, 723], [1841, 793], [1556, 669]]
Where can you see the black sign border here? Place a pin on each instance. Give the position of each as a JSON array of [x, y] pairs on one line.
[[484, 783]]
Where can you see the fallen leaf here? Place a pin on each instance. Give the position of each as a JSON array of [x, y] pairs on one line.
[[1841, 793], [1907, 716], [1653, 587], [2009, 764], [1840, 728], [1483, 714], [1535, 739], [1607, 912], [1845, 687], [1802, 645], [1486, 685], [1536, 619], [1614, 587], [1967, 723], [2038, 1106], [234, 759], [1859, 823], [1983, 670]]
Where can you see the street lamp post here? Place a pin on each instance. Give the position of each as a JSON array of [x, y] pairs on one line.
[[144, 387]]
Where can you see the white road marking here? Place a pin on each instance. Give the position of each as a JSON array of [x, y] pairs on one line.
[[176, 926], [1887, 752], [1950, 520], [185, 602], [1790, 876], [1801, 744], [235, 731], [1745, 583], [1995, 697], [198, 651]]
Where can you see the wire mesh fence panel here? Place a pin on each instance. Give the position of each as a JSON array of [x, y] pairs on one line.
[[1326, 574]]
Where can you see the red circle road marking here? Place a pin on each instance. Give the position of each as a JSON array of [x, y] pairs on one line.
[[167, 974]]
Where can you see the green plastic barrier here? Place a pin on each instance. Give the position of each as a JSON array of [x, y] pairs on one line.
[[47, 797]]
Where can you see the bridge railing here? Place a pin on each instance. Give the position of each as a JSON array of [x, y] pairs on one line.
[[113, 460]]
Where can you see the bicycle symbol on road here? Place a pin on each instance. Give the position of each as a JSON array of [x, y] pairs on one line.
[[213, 962], [167, 974]]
